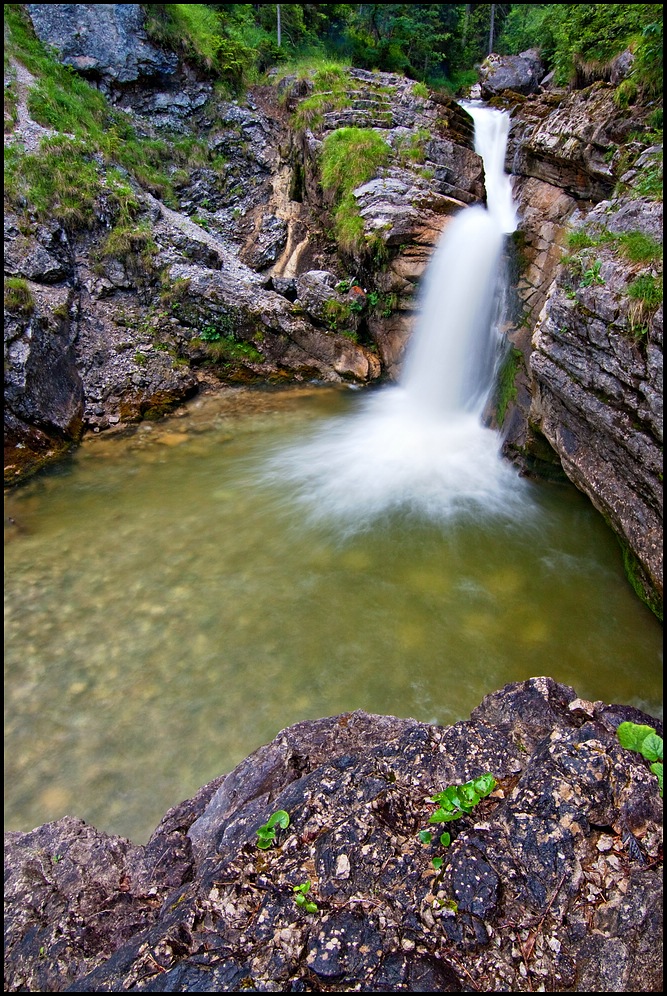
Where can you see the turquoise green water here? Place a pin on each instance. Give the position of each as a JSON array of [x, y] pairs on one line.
[[165, 615]]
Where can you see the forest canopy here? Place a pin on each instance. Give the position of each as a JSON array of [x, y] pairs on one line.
[[438, 44]]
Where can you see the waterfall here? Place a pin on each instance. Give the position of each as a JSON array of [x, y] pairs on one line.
[[419, 447]]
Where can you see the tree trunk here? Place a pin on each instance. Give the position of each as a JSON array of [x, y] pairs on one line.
[[279, 35], [493, 18]]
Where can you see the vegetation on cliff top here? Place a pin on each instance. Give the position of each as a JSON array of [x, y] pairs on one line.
[[439, 44]]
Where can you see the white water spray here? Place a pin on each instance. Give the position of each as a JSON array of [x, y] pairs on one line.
[[419, 447]]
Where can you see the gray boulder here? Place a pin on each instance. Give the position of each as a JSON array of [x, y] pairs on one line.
[[520, 73]]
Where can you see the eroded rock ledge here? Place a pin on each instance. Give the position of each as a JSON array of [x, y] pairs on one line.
[[552, 884]]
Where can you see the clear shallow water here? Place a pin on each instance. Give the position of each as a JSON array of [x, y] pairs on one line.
[[165, 613]]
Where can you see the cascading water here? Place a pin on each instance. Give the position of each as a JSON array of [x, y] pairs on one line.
[[419, 446]]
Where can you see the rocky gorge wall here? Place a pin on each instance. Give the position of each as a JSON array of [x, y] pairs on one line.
[[239, 275]]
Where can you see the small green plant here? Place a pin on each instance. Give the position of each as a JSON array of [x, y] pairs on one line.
[[210, 333], [645, 295], [266, 834], [420, 90], [646, 289], [580, 239], [457, 800], [645, 741], [453, 803], [301, 900], [506, 389], [592, 275]]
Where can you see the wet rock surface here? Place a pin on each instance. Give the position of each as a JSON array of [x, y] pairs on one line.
[[552, 883], [587, 387]]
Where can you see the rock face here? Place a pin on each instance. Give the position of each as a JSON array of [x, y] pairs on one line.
[[597, 366], [104, 40], [551, 883], [592, 355]]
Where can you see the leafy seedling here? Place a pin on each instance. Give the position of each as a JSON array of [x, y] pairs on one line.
[[645, 741], [300, 894], [266, 834], [457, 800], [454, 802]]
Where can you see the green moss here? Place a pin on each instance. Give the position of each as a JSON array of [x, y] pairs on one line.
[[506, 391], [227, 349], [636, 577], [626, 93]]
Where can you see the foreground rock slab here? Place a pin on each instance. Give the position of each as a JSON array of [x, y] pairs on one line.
[[551, 884]]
